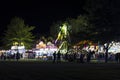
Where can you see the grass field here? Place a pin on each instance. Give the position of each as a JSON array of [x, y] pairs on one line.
[[36, 70]]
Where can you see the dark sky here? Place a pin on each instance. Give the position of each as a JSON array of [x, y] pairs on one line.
[[38, 13]]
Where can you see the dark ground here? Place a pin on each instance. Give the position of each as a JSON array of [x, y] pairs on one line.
[[35, 70]]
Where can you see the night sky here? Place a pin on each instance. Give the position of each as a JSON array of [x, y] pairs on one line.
[[38, 13]]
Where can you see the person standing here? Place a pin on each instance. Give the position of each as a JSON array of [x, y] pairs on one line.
[[58, 57], [106, 52], [81, 58], [54, 57], [89, 56], [118, 57], [17, 56]]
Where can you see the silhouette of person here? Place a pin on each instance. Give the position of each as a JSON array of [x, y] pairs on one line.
[[118, 57], [106, 52], [81, 58], [66, 56], [58, 57], [89, 56], [17, 56], [54, 57]]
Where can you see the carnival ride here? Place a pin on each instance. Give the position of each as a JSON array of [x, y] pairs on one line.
[[44, 49], [63, 38]]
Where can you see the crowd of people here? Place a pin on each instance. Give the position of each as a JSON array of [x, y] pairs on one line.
[[74, 55], [86, 57], [4, 56]]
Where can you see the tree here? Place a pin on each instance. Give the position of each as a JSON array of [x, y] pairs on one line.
[[50, 39], [55, 28], [18, 32], [79, 28], [103, 14]]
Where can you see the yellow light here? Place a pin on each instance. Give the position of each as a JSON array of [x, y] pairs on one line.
[[16, 43]]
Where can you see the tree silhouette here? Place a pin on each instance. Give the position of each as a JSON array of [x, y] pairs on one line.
[[18, 32], [103, 14]]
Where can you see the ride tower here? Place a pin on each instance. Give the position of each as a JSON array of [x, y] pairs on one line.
[[63, 38]]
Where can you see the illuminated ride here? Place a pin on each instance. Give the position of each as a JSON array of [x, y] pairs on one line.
[[43, 50], [63, 37]]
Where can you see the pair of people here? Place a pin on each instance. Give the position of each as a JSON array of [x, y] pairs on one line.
[[56, 56]]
